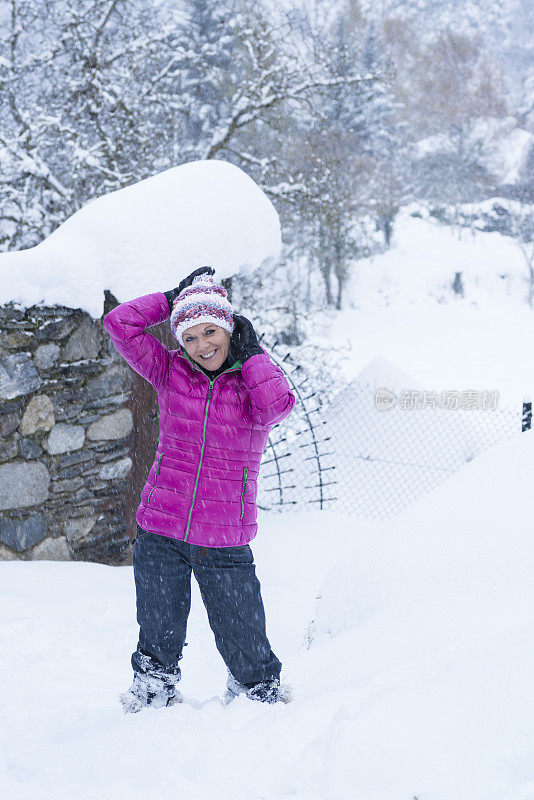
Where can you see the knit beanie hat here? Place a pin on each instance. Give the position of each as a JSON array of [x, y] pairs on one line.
[[202, 301]]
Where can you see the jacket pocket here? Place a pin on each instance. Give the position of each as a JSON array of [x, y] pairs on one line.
[[243, 491], [155, 477]]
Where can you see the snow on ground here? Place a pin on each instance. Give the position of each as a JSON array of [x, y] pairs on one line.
[[442, 347], [146, 238], [400, 306], [436, 611], [417, 681]]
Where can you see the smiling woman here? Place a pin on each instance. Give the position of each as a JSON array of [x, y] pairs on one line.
[[219, 396], [207, 344]]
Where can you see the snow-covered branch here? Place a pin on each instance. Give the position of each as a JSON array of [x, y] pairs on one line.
[[32, 164]]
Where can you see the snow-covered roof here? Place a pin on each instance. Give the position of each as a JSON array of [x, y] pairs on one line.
[[146, 238]]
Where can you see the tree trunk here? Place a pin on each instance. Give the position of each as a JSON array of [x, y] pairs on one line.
[[326, 271], [227, 283], [339, 293]]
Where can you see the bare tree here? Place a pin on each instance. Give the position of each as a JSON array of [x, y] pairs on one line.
[[520, 224]]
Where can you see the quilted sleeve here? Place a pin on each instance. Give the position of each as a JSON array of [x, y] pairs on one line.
[[144, 353], [271, 399]]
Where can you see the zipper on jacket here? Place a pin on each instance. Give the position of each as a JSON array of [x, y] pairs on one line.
[[243, 493], [155, 477], [231, 369]]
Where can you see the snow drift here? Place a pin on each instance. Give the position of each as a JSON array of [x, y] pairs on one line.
[[432, 614]]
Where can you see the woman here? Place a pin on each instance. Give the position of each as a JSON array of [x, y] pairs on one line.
[[219, 395]]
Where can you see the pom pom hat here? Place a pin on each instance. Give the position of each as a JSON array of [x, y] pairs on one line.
[[202, 301]]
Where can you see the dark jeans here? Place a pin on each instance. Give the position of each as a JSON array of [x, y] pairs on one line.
[[230, 591]]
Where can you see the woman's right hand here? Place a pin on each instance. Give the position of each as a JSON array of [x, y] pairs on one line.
[[172, 294]]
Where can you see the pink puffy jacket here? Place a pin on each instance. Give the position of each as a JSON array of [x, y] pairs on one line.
[[202, 485]]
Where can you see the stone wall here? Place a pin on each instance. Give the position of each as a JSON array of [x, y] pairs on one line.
[[65, 436]]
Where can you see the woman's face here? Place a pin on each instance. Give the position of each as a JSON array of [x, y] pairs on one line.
[[207, 339]]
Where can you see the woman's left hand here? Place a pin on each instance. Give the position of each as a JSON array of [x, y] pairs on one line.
[[172, 294], [243, 341]]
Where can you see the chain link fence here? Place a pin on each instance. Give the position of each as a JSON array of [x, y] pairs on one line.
[[373, 451]]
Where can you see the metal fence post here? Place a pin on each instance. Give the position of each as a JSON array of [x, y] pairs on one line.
[[526, 417]]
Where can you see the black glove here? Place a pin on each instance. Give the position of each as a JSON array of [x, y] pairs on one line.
[[172, 294], [243, 341]]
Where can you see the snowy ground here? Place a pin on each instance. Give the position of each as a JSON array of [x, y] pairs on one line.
[[400, 306], [418, 681]]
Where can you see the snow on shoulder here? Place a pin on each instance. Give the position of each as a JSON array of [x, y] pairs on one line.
[[146, 238]]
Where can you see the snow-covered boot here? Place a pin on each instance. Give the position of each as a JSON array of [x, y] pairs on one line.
[[149, 691], [233, 689], [269, 691]]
